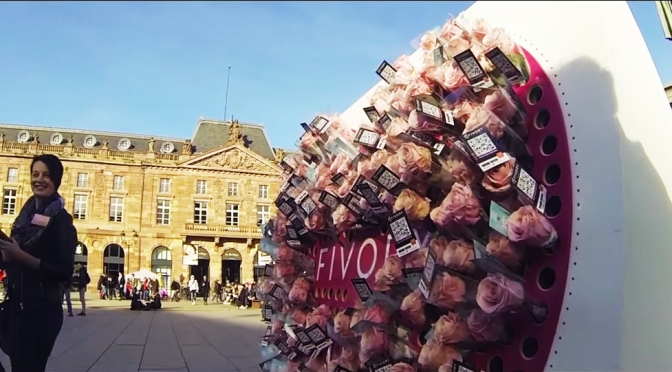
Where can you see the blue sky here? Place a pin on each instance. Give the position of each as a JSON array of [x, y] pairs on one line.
[[155, 67]]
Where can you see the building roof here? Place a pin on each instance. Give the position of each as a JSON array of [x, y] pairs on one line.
[[138, 142], [211, 134]]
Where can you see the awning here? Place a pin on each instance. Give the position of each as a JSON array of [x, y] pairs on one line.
[[665, 14]]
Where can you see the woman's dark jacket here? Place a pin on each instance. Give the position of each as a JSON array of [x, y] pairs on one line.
[[56, 251]]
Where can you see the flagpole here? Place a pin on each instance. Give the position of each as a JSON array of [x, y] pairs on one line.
[[226, 97]]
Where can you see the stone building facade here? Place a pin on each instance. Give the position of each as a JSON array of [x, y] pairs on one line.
[[161, 204]]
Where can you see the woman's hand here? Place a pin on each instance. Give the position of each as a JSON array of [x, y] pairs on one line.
[[10, 249]]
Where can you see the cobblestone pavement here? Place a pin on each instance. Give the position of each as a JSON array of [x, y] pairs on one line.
[[180, 337]]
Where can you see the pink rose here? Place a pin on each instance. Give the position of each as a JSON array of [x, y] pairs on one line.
[[276, 326], [282, 270], [462, 109], [447, 291], [416, 259], [498, 179], [418, 87], [401, 101], [480, 28], [458, 255], [388, 274], [376, 314], [414, 158], [497, 37], [323, 179], [482, 117], [460, 170], [380, 99], [485, 327], [279, 232], [498, 294], [340, 164], [368, 167], [429, 41], [527, 225], [316, 221], [374, 341], [503, 250], [342, 324], [457, 45], [451, 29], [298, 294], [451, 77], [319, 319], [423, 123], [401, 367], [460, 205], [285, 254], [416, 207], [450, 329], [412, 308], [397, 127], [433, 355], [500, 103], [343, 218], [298, 316]]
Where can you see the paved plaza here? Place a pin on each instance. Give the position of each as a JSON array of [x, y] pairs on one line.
[[180, 337]]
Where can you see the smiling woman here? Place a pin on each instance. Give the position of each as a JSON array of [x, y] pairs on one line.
[[38, 260]]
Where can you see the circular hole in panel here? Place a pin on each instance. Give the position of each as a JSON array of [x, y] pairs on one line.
[[546, 278], [549, 145], [542, 119], [530, 347], [338, 295], [323, 292], [330, 294], [553, 206], [317, 292], [496, 364], [535, 95], [552, 174], [345, 294], [509, 335]]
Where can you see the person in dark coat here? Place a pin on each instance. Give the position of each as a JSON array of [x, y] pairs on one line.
[[205, 289], [38, 259]]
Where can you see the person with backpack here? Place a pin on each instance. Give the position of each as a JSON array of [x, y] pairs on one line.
[[84, 280]]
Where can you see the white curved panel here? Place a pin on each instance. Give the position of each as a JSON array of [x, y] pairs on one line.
[[618, 120]]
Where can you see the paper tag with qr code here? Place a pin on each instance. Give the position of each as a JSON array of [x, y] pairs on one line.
[[428, 274], [388, 180], [378, 364], [306, 204], [329, 200], [362, 287], [338, 179], [268, 313], [483, 149], [267, 336], [372, 113], [434, 111], [351, 201], [498, 218], [366, 190], [402, 233], [504, 65], [319, 338], [268, 270], [369, 138], [472, 69], [386, 72], [531, 191], [461, 367], [385, 121], [320, 124]]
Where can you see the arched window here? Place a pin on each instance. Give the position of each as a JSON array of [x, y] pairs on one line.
[[162, 265], [113, 260]]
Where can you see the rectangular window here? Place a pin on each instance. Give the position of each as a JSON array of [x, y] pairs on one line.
[[80, 207], [201, 187], [118, 183], [9, 201], [164, 185], [13, 175], [82, 179], [116, 209], [263, 191], [201, 212], [163, 212], [263, 214], [233, 189], [232, 215]]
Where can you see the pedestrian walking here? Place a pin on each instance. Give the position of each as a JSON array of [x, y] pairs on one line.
[[205, 289], [193, 289]]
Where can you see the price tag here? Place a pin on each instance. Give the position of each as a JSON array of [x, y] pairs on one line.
[[402, 233], [428, 274], [386, 72], [483, 149]]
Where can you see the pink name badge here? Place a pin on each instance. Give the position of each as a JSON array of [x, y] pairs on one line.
[[40, 220]]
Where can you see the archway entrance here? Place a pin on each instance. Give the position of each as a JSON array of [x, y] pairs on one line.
[[81, 260], [231, 260], [202, 268], [113, 260], [162, 264]]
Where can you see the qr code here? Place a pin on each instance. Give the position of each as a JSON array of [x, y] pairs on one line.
[[308, 206], [291, 233], [428, 272], [388, 180], [527, 184], [400, 229], [471, 68], [482, 145], [316, 335], [362, 290], [503, 63]]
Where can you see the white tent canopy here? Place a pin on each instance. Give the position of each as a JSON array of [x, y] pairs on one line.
[[144, 273]]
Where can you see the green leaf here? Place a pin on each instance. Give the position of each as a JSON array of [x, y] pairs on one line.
[[519, 61]]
